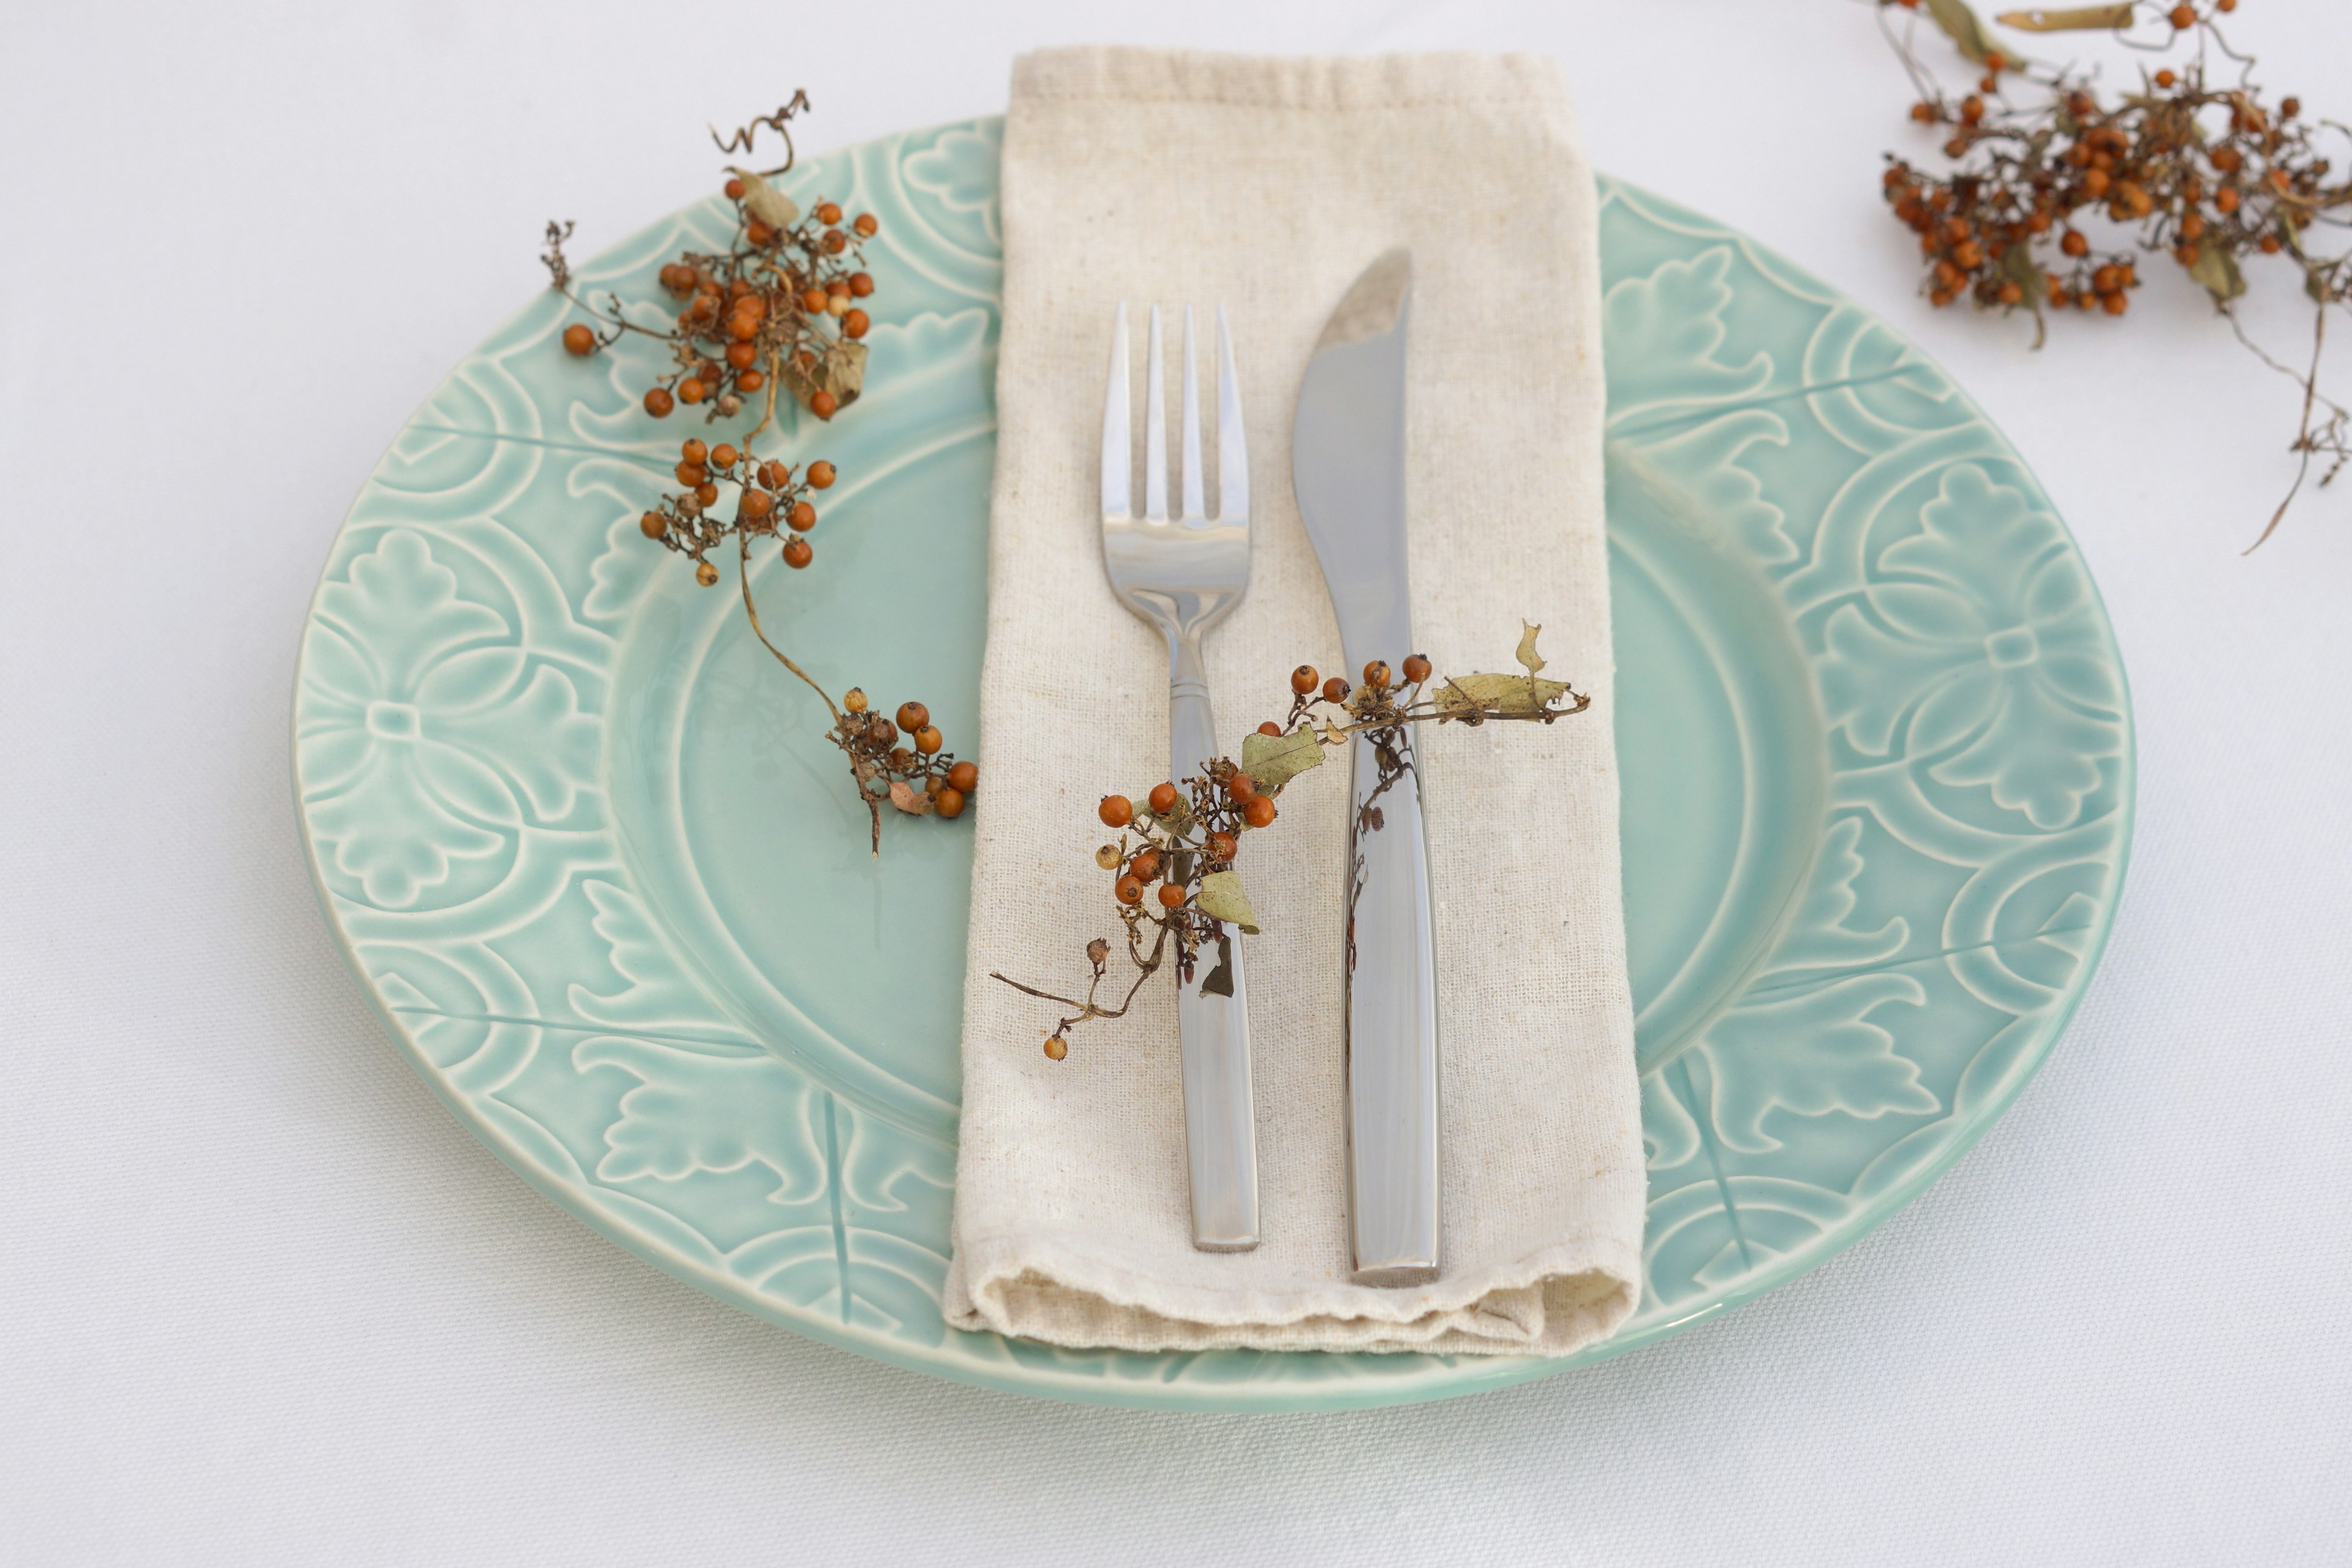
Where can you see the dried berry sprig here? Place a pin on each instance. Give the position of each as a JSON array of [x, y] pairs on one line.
[[2194, 164], [1186, 835], [778, 298], [777, 308]]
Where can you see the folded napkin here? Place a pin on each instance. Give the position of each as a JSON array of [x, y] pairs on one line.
[[1268, 185]]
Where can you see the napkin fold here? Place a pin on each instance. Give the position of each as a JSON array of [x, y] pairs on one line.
[[1268, 184]]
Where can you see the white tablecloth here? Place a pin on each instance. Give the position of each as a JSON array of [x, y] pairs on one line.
[[262, 1299]]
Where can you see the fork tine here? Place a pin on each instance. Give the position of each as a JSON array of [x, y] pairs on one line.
[[1233, 445], [1192, 502], [1117, 488], [1155, 430]]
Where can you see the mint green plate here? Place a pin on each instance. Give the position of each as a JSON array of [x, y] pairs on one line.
[[593, 863]]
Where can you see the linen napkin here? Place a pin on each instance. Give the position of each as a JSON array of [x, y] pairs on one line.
[[1268, 184]]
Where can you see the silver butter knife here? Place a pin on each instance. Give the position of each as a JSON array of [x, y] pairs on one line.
[[1347, 458]]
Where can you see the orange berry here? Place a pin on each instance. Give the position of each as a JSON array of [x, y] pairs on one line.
[[823, 404], [1128, 890], [828, 211], [2117, 304], [1171, 895], [578, 340], [1222, 845], [1416, 669], [758, 233], [692, 450], [853, 324], [658, 403], [1116, 811], [964, 776], [1242, 787], [2165, 78], [706, 574], [690, 474], [861, 284], [1163, 798], [797, 553], [755, 505], [2183, 18], [1146, 863], [2072, 243], [820, 475], [1303, 681], [1270, 729], [1335, 691], [653, 525], [913, 716], [734, 189], [751, 381], [928, 738], [742, 354], [722, 456], [1259, 812], [948, 802], [803, 516], [1376, 673], [867, 225], [690, 390]]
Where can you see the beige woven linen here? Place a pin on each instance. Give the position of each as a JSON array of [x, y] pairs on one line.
[[1269, 184]]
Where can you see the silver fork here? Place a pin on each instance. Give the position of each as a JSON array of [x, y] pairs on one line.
[[1181, 575]]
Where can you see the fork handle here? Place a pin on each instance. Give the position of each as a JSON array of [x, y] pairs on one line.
[[1220, 1116]]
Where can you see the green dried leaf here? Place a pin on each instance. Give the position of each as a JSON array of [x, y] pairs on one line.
[[1272, 761], [1511, 694], [1219, 981], [2072, 19], [1955, 18], [839, 369], [1527, 655], [2017, 265], [764, 202], [2218, 269], [1221, 898]]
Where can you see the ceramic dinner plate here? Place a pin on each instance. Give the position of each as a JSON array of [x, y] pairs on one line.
[[593, 862]]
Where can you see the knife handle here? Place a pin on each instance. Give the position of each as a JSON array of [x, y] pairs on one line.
[[1391, 1040], [1220, 1115]]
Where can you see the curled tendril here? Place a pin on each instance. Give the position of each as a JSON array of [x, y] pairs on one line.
[[741, 141]]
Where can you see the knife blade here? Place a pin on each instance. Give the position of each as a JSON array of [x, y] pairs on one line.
[[1347, 456]]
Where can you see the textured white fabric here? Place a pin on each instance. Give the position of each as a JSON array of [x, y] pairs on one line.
[[262, 1299], [1269, 184]]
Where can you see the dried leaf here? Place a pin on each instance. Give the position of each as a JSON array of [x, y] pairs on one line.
[[1221, 898], [1955, 18], [1272, 761], [1219, 981], [1513, 694], [764, 202], [910, 799], [2017, 264], [2218, 269], [2074, 18], [840, 369], [1528, 654]]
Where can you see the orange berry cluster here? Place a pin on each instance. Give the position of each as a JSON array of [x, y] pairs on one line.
[[775, 305], [908, 750], [2203, 174], [770, 498]]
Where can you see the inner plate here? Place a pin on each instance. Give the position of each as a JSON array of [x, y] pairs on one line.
[[593, 861]]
